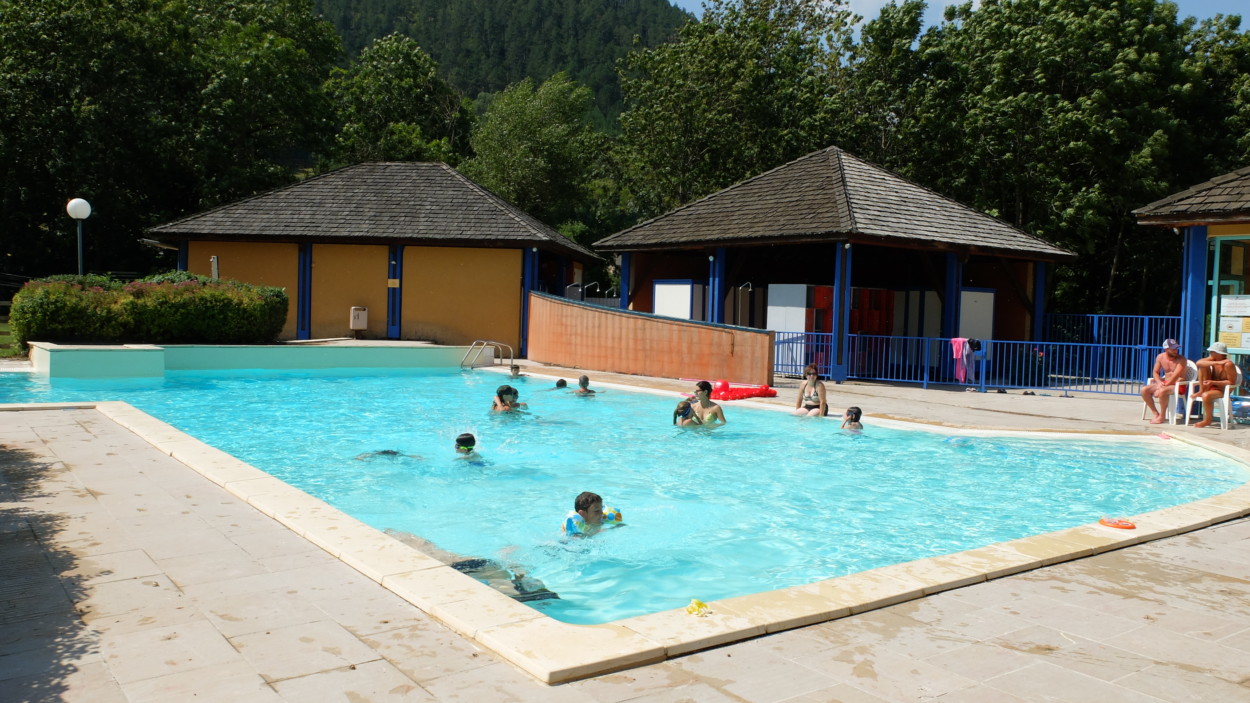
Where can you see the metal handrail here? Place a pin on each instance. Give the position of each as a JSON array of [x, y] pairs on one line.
[[481, 345]]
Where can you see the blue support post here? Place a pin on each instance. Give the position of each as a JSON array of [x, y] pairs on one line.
[[1039, 301], [394, 292], [839, 365], [303, 294], [953, 294], [529, 278], [1194, 291], [183, 256], [625, 280], [716, 287]]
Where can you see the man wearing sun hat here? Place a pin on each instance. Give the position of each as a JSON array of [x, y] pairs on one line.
[[1215, 373], [1168, 370]]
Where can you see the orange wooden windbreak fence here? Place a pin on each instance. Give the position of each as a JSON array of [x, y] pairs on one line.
[[579, 335]]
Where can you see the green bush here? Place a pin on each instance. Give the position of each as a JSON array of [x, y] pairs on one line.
[[172, 308]]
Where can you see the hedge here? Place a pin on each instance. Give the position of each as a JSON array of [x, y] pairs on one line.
[[168, 308]]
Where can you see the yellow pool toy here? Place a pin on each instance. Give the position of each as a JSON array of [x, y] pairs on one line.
[[698, 608]]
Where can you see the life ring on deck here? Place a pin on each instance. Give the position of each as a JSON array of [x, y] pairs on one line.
[[1117, 522]]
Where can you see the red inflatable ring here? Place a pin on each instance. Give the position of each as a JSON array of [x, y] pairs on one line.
[[1118, 523]]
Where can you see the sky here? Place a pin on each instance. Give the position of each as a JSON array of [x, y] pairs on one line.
[[869, 9]]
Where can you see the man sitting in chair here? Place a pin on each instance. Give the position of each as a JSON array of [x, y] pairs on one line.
[[1168, 370], [1214, 374]]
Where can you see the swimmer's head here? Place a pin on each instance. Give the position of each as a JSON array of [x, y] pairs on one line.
[[561, 383], [812, 370], [466, 443], [683, 411], [515, 370], [853, 413], [504, 391], [584, 381], [590, 507], [703, 387]]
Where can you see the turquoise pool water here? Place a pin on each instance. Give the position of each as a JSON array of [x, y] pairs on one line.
[[766, 502]]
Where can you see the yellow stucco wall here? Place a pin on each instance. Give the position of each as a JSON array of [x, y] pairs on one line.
[[251, 262], [346, 276], [454, 295], [1229, 230]]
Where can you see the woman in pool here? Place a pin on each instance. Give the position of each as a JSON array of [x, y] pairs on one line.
[[684, 415], [507, 400], [850, 418], [709, 413], [811, 401]]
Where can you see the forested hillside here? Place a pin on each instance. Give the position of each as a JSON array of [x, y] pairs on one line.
[[483, 46]]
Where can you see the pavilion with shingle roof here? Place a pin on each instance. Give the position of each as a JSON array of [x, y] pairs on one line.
[[806, 222], [1213, 218], [430, 253]]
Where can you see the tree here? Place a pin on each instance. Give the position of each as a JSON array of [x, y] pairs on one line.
[[1061, 117], [392, 105], [742, 91], [876, 97], [537, 148], [149, 110]]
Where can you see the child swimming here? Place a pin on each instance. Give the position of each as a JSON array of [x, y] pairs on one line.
[[850, 418], [588, 516]]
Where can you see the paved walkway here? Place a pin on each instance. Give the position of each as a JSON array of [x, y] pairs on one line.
[[127, 577]]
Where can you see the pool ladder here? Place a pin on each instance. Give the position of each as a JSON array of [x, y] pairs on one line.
[[481, 345]]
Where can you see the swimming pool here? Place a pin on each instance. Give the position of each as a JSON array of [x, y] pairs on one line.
[[766, 502]]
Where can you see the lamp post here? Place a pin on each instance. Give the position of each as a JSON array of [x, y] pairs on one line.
[[80, 210]]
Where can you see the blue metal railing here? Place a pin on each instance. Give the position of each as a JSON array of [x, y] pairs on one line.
[[1144, 330], [795, 350], [1061, 366]]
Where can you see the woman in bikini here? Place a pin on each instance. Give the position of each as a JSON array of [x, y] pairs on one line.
[[811, 401]]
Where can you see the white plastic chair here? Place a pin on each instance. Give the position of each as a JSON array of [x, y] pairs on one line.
[[1224, 405], [1185, 387]]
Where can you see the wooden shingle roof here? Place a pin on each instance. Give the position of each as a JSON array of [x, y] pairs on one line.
[[1224, 198], [830, 195], [377, 203]]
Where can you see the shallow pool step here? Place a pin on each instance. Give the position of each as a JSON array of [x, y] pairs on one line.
[[518, 587]]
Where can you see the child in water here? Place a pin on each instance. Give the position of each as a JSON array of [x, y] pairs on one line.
[[465, 444], [683, 415], [588, 516], [850, 418], [583, 386], [507, 399]]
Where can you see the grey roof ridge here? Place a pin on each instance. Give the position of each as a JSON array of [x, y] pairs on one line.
[[511, 211], [952, 201], [709, 196], [846, 192], [1193, 190], [263, 194]]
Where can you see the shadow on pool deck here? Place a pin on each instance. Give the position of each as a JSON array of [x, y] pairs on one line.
[[137, 579]]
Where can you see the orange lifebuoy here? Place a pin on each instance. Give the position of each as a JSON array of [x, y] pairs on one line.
[[1118, 523]]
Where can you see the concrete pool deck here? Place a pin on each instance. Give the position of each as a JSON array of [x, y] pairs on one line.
[[135, 578]]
